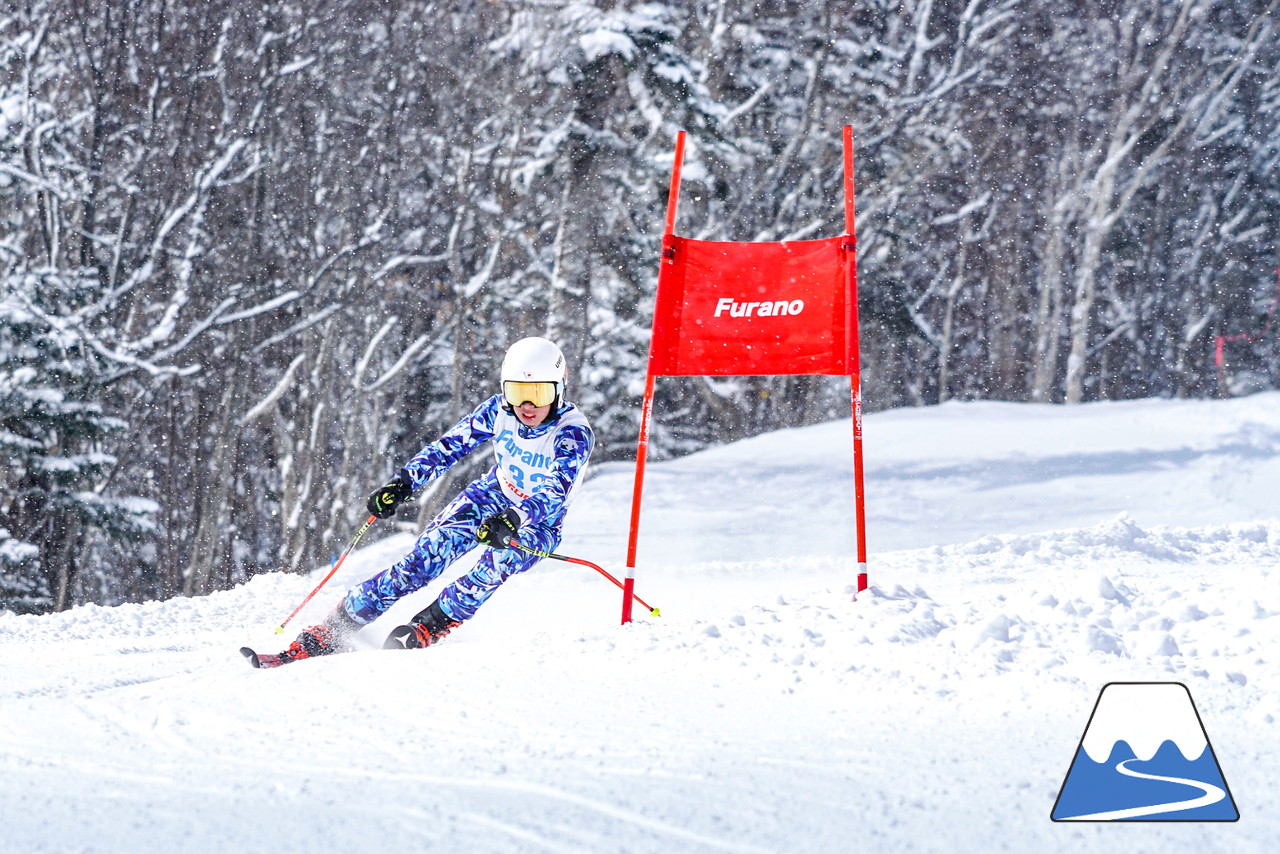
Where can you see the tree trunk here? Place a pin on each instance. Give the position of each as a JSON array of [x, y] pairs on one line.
[[202, 575]]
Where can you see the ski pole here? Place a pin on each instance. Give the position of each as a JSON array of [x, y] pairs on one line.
[[325, 580], [653, 612]]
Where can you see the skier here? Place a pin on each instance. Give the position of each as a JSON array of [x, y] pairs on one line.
[[541, 443]]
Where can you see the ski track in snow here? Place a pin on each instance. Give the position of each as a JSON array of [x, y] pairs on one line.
[[1021, 557]]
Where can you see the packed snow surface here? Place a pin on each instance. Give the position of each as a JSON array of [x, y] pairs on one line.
[[1021, 558]]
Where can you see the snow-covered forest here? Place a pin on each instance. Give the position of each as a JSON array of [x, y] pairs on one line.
[[254, 254]]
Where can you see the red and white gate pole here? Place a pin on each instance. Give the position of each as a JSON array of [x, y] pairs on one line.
[[855, 376], [646, 409]]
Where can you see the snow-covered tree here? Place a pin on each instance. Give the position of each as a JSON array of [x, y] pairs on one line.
[[55, 492]]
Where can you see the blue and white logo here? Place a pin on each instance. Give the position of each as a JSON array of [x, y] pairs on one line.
[[1145, 756]]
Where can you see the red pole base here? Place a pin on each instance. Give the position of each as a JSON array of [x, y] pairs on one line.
[[628, 592], [862, 584]]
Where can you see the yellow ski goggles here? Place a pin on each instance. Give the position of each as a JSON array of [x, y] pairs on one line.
[[539, 394]]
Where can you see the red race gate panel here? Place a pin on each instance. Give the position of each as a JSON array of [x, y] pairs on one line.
[[726, 309]]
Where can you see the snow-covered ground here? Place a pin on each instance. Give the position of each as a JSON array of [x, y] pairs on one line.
[[1022, 557]]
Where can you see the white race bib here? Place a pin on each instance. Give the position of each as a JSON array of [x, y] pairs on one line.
[[523, 463]]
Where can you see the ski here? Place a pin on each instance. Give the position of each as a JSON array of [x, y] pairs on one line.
[[399, 638], [262, 661], [427, 629], [265, 660]]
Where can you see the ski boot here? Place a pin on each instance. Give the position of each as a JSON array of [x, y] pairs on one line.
[[332, 635], [428, 627]]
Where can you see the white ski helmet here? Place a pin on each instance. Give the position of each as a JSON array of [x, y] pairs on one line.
[[535, 370]]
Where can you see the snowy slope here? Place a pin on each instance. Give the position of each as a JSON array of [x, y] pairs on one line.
[[1021, 558]]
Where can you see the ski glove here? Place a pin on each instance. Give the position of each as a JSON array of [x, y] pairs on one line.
[[384, 501], [499, 529]]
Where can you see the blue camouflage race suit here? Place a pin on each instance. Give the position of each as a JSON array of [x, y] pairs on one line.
[[536, 471]]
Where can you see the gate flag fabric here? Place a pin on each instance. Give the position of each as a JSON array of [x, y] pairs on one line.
[[754, 309], [751, 309]]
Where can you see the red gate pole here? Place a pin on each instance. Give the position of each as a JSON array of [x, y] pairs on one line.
[[646, 410], [855, 378]]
